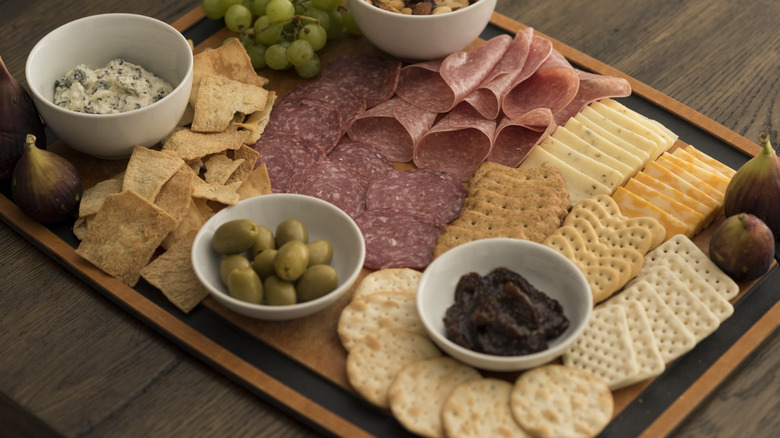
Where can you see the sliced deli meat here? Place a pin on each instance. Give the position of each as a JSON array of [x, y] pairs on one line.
[[373, 77], [593, 87], [394, 127], [313, 120], [553, 85], [439, 85], [334, 183], [364, 159], [284, 154], [514, 139], [348, 104], [397, 238]]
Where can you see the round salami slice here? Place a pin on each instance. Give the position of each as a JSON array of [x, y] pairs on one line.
[[397, 238], [553, 85], [438, 86], [593, 87], [457, 144], [364, 159], [514, 139], [348, 104], [420, 190], [334, 183], [285, 154], [394, 127], [373, 77], [312, 120]]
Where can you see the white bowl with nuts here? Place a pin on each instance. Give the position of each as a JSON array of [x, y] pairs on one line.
[[423, 30]]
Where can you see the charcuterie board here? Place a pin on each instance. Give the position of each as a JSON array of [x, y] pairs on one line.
[[300, 365]]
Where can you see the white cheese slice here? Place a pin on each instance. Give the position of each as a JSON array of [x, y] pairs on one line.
[[616, 132], [596, 135], [638, 123], [599, 166], [615, 157], [579, 185]]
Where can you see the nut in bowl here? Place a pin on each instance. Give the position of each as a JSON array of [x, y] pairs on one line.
[[94, 42], [544, 269], [321, 221], [421, 37]]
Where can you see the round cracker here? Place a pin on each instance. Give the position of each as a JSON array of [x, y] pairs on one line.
[[377, 311], [561, 401], [418, 392], [375, 360], [480, 408], [388, 280]]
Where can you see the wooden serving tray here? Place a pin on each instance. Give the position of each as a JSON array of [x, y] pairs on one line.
[[300, 365]]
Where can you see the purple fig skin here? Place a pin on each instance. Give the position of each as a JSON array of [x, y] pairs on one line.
[[743, 247], [755, 188], [18, 117], [45, 186]]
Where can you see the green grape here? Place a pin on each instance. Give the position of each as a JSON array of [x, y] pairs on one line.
[[299, 53], [326, 5], [228, 3], [279, 10], [350, 24], [321, 16], [336, 24], [309, 70], [238, 18], [276, 57], [265, 33], [249, 4], [315, 35], [256, 54], [258, 7], [213, 9]]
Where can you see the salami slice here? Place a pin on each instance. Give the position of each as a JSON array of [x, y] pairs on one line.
[[397, 238], [438, 86], [371, 76], [420, 190], [348, 104], [457, 144], [284, 154], [553, 85], [593, 87], [514, 139], [394, 127], [334, 183], [362, 158], [312, 120]]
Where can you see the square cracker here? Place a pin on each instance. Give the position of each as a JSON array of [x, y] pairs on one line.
[[173, 275]]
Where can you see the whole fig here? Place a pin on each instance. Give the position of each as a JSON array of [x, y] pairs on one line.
[[743, 247]]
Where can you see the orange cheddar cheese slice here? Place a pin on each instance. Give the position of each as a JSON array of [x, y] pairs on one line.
[[710, 177], [675, 181], [708, 160], [677, 195], [632, 205], [685, 214], [711, 191]]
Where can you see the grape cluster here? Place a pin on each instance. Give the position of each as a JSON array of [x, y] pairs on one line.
[[283, 34]]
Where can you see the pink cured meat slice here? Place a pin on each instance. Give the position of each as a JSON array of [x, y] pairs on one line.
[[514, 139], [364, 159], [553, 85], [457, 144], [283, 155], [347, 103], [420, 190], [593, 87], [397, 238], [312, 120], [394, 127], [334, 183], [371, 76], [439, 85]]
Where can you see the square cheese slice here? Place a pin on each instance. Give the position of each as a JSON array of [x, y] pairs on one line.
[[579, 185], [632, 205]]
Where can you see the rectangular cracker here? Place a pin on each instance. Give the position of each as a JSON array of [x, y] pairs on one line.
[[648, 355]]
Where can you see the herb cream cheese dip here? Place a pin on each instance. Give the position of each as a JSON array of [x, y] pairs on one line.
[[118, 87]]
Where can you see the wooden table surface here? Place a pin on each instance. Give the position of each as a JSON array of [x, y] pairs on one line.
[[73, 363]]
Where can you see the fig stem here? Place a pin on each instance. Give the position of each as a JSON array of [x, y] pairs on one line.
[[766, 146], [29, 140]]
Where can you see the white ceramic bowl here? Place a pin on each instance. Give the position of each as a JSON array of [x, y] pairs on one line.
[[322, 220], [421, 37], [94, 41], [544, 268]]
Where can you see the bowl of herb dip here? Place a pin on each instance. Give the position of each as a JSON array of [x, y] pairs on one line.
[[107, 83]]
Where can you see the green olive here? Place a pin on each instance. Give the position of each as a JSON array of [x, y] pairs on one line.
[[291, 260], [265, 240], [278, 292], [316, 281], [229, 263], [291, 229], [263, 263], [234, 236], [245, 285], [320, 252]]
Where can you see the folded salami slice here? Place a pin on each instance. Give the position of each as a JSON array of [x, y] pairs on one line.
[[364, 159], [284, 154], [348, 104], [439, 85], [553, 85], [373, 77], [514, 139], [420, 190], [334, 183], [593, 87], [313, 120], [457, 144], [394, 127], [397, 238]]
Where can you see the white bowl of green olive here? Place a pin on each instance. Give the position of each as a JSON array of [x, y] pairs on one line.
[[278, 256]]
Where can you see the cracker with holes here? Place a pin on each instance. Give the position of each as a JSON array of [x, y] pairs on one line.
[[388, 280], [382, 310], [480, 408]]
